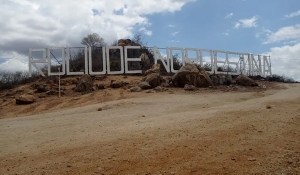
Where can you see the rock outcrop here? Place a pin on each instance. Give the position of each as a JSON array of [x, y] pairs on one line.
[[127, 42], [135, 89], [117, 84], [144, 85], [25, 99], [145, 58], [192, 75], [155, 69], [153, 79], [42, 88], [158, 89], [245, 81], [85, 83], [100, 86]]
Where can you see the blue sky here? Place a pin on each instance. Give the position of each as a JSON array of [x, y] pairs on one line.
[[203, 24], [252, 26]]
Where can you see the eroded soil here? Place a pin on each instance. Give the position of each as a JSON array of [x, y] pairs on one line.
[[171, 132]]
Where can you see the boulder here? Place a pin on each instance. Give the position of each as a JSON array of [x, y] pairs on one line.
[[189, 87], [25, 99], [135, 89], [127, 42], [155, 69], [245, 81], [85, 83], [117, 84], [221, 79], [42, 88], [145, 61], [158, 89], [144, 85], [153, 79], [166, 82], [121, 42], [165, 85], [100, 86], [192, 75], [145, 58]]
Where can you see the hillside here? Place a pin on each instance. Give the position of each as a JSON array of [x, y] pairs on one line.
[[223, 130]]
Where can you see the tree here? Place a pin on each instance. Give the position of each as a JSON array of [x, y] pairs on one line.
[[138, 38], [115, 43], [93, 40]]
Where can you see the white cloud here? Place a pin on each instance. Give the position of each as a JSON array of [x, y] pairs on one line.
[[42, 23], [289, 33], [291, 42], [247, 23], [285, 60], [226, 33], [264, 32], [229, 15], [291, 15], [171, 25], [174, 41], [175, 33], [14, 65], [145, 31]]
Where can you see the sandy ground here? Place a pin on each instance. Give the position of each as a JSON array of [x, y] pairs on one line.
[[160, 133]]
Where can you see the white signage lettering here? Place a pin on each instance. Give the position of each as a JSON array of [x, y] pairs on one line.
[[247, 64]]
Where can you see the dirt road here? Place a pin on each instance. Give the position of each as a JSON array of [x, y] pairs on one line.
[[181, 133]]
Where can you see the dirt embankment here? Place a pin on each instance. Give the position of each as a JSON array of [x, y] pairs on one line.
[[209, 131], [69, 99]]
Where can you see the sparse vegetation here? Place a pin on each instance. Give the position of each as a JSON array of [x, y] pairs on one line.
[[282, 78], [207, 66], [9, 80], [225, 68]]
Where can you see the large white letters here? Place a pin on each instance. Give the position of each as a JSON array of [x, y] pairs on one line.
[[121, 57], [247, 63], [131, 59]]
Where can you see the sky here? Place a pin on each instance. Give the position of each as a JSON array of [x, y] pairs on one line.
[[252, 26]]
